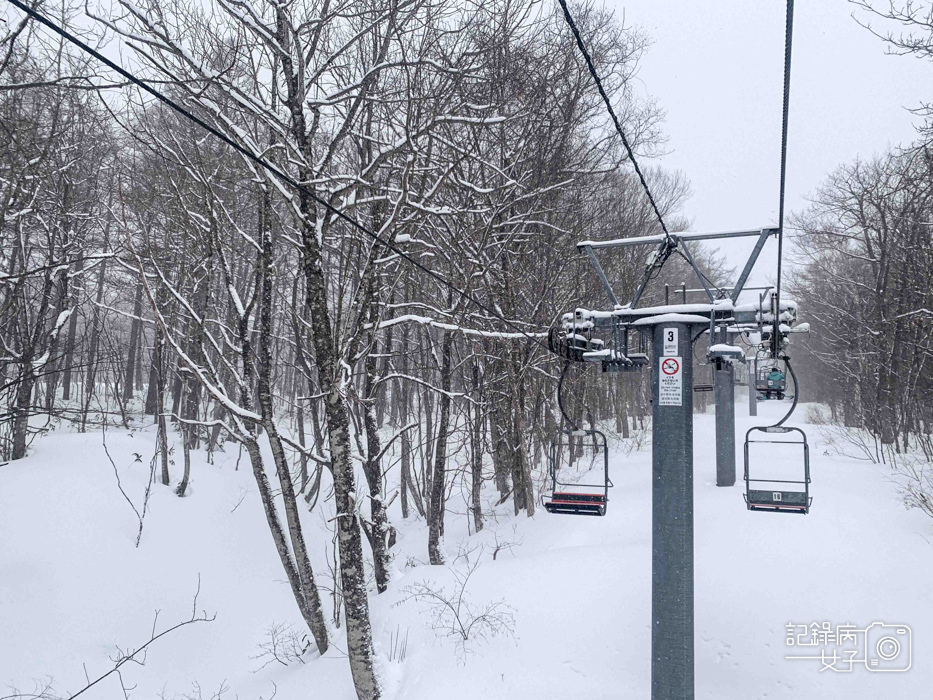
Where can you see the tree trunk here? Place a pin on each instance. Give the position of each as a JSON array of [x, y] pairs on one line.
[[23, 409], [523, 471], [436, 517], [278, 537], [186, 449], [130, 379], [622, 414], [406, 473], [157, 391], [307, 586], [303, 458], [372, 469], [476, 484], [403, 410], [91, 376], [427, 446], [356, 603], [156, 376], [72, 333], [51, 366], [501, 454]]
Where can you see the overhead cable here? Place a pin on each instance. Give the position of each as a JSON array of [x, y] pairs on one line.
[[615, 119]]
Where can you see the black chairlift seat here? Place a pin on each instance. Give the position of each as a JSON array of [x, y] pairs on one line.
[[576, 503], [573, 343], [776, 498], [571, 498], [624, 354]]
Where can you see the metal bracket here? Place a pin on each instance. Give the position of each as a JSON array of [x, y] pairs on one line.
[[602, 275], [753, 258]]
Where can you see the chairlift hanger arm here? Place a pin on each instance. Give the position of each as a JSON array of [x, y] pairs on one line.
[[657, 260], [602, 275], [689, 257], [682, 236], [752, 259]]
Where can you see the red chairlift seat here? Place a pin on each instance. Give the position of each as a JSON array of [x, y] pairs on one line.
[[572, 498]]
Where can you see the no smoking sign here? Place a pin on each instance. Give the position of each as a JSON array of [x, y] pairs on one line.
[[671, 382]]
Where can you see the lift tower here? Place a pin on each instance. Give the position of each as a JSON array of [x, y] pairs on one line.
[[671, 331]]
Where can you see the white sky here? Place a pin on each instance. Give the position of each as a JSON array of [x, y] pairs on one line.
[[716, 68]]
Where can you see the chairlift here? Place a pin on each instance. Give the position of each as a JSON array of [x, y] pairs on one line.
[[771, 495], [578, 498], [572, 341], [770, 379]]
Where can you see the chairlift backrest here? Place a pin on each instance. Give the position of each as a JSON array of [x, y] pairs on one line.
[[773, 495], [578, 498]]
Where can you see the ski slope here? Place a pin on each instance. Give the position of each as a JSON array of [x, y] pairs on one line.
[[73, 586]]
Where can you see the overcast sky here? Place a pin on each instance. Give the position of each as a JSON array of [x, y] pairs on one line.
[[716, 68]]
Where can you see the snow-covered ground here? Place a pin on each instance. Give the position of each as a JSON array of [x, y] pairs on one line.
[[73, 587]]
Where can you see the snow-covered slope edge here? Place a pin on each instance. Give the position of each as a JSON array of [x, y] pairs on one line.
[[575, 591]]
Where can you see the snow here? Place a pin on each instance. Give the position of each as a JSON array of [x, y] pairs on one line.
[[72, 584], [724, 349], [670, 318], [718, 305], [765, 305], [59, 323], [428, 321]]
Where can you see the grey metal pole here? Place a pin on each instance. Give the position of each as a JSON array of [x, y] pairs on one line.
[[752, 391], [724, 388], [724, 396], [672, 675]]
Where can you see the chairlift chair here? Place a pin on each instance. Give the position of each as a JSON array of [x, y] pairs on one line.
[[777, 498], [578, 498], [770, 381]]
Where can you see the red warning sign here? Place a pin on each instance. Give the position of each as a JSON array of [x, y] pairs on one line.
[[671, 382]]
